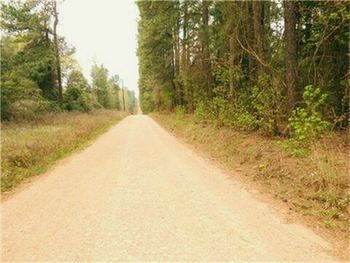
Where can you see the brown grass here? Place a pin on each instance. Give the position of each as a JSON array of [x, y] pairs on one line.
[[315, 184], [29, 148]]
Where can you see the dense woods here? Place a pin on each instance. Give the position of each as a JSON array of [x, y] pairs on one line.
[[280, 67], [39, 71]]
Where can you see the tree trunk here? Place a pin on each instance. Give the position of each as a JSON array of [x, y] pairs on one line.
[[176, 44], [205, 47], [233, 32], [259, 34], [249, 68], [290, 52], [184, 38], [185, 55], [57, 53]]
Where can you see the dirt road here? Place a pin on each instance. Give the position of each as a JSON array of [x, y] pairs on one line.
[[139, 194]]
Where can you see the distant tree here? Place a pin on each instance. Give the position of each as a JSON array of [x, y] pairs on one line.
[[113, 84], [78, 96], [76, 79], [38, 69], [99, 75]]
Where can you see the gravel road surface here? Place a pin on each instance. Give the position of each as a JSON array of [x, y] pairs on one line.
[[137, 194]]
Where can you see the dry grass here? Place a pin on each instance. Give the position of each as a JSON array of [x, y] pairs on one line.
[[315, 185], [29, 148]]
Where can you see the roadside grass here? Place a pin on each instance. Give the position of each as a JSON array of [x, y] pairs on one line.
[[29, 148], [314, 184]]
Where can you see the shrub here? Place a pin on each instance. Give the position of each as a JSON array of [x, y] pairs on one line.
[[307, 123], [76, 99], [245, 121], [201, 112], [264, 102], [26, 109], [179, 113], [20, 97], [220, 112]]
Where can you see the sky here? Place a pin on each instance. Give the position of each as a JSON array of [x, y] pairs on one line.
[[104, 31]]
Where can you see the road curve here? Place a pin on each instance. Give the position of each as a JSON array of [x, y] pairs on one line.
[[137, 194]]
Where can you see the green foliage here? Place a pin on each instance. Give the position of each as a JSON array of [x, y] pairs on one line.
[[179, 113], [29, 83], [245, 121], [201, 112], [155, 54], [307, 123], [294, 149], [20, 97], [77, 80], [76, 99], [99, 75], [324, 48], [77, 96], [217, 112], [28, 48], [264, 101], [146, 102], [114, 92], [107, 90], [220, 113], [229, 76]]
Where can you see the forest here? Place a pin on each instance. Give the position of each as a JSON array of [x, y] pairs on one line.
[[39, 71], [277, 67], [260, 87]]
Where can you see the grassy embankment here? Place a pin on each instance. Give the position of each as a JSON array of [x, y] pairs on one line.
[[29, 148], [315, 184]]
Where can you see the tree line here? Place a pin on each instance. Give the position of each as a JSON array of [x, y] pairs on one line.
[[275, 66], [39, 72]]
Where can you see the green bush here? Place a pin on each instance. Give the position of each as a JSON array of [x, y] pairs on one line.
[[20, 97], [307, 123], [179, 113], [201, 112], [220, 112], [76, 99], [27, 109], [264, 102], [245, 121]]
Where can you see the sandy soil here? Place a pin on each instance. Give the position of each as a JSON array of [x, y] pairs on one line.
[[138, 194]]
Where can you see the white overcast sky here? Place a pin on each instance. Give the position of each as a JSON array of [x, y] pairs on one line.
[[104, 31]]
